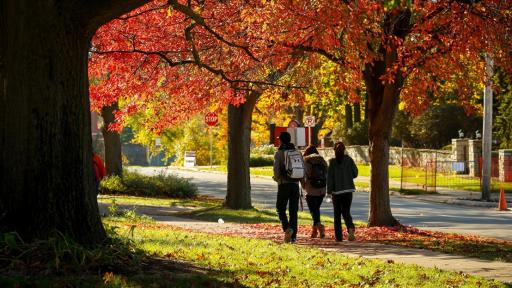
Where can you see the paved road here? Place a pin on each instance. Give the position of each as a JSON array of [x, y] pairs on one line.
[[427, 215]]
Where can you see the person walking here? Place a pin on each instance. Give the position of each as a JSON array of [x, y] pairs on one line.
[[287, 178], [340, 184], [314, 184], [99, 171]]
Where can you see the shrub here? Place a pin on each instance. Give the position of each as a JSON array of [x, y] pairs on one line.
[[260, 161], [112, 185], [135, 184], [266, 149], [358, 134]]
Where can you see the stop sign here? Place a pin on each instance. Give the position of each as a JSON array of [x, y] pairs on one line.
[[211, 118]]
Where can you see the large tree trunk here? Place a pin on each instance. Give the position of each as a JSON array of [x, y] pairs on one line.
[[382, 103], [239, 144], [46, 172], [112, 140]]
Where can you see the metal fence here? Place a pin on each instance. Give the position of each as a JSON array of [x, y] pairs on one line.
[[433, 175]]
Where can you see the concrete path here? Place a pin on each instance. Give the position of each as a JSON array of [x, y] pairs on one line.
[[500, 271]]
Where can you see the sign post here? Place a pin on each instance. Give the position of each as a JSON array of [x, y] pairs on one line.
[[309, 121], [211, 119]]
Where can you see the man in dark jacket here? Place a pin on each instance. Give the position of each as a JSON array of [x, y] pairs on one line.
[[287, 190]]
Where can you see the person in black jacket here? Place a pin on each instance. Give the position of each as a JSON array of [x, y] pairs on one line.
[[287, 190], [340, 184], [314, 184]]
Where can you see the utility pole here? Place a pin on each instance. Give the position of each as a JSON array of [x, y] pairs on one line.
[[487, 129]]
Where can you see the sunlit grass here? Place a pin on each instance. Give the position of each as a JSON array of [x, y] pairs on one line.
[[211, 209], [200, 201], [261, 263]]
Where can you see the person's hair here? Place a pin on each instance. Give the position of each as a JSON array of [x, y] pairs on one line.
[[285, 137], [339, 151], [311, 149]]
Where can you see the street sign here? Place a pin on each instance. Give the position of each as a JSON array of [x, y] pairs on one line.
[[211, 119], [190, 159], [309, 121]]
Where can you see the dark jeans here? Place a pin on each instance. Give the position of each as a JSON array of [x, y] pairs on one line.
[[342, 203], [314, 203], [288, 194]]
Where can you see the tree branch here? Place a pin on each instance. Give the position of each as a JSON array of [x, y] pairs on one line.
[[316, 50], [200, 21], [98, 12], [221, 72], [161, 54]]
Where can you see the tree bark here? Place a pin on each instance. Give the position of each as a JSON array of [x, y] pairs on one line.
[[112, 140], [46, 171], [239, 144], [383, 99]]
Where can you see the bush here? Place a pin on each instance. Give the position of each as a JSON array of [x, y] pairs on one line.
[[358, 134], [112, 185], [267, 149], [260, 161], [150, 186]]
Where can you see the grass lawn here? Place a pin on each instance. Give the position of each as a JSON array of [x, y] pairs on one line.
[[255, 171], [146, 254], [199, 201], [209, 209], [260, 263]]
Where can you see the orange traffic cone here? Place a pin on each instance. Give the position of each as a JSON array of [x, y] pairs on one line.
[[502, 206]]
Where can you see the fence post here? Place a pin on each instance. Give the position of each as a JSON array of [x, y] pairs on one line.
[[427, 162], [435, 171], [401, 165]]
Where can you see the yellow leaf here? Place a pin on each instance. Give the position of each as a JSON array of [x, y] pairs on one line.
[[169, 11]]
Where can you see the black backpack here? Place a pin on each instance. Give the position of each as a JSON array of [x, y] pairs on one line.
[[317, 177]]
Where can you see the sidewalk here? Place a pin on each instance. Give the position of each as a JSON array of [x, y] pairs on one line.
[[500, 271]]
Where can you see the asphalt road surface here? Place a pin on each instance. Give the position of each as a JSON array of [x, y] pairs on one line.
[[426, 215]]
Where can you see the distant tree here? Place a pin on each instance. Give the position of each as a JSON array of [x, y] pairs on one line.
[[402, 130], [503, 123], [439, 124]]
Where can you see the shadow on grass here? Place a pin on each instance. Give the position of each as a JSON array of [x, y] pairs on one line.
[[61, 262]]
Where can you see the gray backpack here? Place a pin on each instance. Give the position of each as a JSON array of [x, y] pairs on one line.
[[294, 164]]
